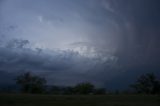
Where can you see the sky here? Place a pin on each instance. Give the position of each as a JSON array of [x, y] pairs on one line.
[[106, 42]]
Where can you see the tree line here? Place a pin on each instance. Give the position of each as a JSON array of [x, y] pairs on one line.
[[29, 83], [34, 84]]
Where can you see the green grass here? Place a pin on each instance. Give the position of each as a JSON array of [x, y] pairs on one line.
[[78, 100]]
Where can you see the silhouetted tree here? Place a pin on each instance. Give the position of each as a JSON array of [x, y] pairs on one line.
[[30, 83], [147, 84], [84, 88]]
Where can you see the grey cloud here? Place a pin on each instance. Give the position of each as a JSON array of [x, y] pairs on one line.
[[16, 43], [119, 39], [59, 64]]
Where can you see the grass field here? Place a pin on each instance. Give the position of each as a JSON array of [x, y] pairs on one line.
[[78, 100]]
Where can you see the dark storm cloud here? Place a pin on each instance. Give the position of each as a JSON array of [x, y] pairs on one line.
[[20, 58], [120, 40], [139, 49], [58, 65], [138, 21]]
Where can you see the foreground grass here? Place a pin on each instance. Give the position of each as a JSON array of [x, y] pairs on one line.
[[78, 100]]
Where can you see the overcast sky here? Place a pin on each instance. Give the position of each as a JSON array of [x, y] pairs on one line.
[[70, 41]]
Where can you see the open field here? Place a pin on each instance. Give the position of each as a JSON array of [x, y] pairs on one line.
[[78, 100]]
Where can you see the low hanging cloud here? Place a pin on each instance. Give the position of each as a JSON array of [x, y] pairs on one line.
[[16, 57]]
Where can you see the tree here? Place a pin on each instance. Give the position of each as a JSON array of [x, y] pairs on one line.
[[30, 83], [84, 88], [147, 84]]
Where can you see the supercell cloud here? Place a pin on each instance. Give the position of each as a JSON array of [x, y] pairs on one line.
[[69, 41]]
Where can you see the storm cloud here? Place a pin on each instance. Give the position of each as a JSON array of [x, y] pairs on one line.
[[99, 41], [16, 57]]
